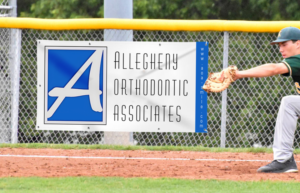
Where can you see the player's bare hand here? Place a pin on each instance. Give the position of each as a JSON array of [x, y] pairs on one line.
[[237, 75]]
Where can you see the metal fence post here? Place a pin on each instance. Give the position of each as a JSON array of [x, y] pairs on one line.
[[118, 9], [224, 93], [15, 58]]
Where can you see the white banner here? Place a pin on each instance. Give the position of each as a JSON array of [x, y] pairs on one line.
[[122, 86]]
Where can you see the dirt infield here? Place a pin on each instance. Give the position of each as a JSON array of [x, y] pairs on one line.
[[137, 163]]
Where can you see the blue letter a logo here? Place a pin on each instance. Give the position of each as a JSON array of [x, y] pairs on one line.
[[75, 85]]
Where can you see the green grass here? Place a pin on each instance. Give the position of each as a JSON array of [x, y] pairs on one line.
[[150, 148], [138, 185]]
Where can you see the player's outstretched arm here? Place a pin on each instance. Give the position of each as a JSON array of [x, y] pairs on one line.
[[265, 70]]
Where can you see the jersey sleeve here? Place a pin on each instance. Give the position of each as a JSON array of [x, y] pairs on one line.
[[293, 64]]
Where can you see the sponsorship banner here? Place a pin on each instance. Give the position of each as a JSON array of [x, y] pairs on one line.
[[122, 86]]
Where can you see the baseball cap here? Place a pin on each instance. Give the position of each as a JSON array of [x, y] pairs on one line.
[[286, 34]]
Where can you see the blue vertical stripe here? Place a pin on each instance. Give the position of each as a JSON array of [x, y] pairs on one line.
[[201, 95]]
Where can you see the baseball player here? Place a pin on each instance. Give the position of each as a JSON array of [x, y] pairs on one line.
[[288, 42]]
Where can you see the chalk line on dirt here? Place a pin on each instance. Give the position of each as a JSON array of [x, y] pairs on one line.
[[132, 158]]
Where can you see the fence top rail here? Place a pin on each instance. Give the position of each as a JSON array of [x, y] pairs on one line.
[[147, 24]]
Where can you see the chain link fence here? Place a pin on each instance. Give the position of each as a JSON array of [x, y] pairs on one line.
[[5, 75], [5, 88], [252, 104], [4, 2], [5, 10]]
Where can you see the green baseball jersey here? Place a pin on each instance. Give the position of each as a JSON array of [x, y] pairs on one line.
[[293, 64]]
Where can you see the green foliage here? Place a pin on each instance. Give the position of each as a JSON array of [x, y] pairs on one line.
[[175, 9], [218, 9], [65, 9]]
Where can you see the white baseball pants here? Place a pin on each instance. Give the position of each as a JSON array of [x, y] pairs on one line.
[[286, 124]]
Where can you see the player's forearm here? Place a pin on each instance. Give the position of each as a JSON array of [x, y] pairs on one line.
[[259, 71]]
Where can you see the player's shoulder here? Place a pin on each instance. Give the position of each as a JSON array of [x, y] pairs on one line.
[[292, 59]]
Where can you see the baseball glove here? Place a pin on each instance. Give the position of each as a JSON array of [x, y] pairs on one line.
[[217, 82]]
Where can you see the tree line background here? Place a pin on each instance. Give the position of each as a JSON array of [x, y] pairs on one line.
[[252, 104], [174, 9]]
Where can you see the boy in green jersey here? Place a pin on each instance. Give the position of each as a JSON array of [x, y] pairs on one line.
[[288, 41]]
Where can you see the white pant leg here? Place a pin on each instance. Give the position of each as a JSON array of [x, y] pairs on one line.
[[286, 124]]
